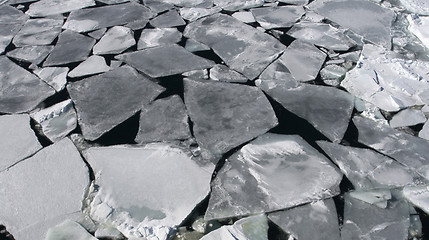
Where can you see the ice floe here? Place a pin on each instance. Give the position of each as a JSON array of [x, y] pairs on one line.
[[114, 41]]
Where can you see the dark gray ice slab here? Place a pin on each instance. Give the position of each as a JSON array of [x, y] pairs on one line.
[[33, 54], [116, 40], [158, 37], [317, 220], [328, 109], [71, 47], [43, 190], [192, 14], [18, 140], [226, 115], [106, 100], [242, 47], [11, 20], [157, 6], [51, 7], [165, 60], [93, 65], [225, 74], [272, 172], [168, 19], [20, 91], [56, 77], [277, 17], [147, 190], [407, 117], [409, 150], [39, 31], [367, 169], [366, 221], [190, 3], [164, 119], [233, 5], [321, 34], [364, 17], [86, 20], [194, 46]]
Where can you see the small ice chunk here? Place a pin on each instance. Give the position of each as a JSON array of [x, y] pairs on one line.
[[407, 117], [89, 19], [272, 172], [97, 34], [424, 132], [317, 220], [68, 230], [43, 190], [416, 6], [57, 121], [321, 34], [223, 73], [172, 180], [194, 46], [277, 17], [377, 197], [226, 115], [94, 64], [158, 6], [167, 20], [192, 14], [158, 37], [295, 2], [109, 232], [11, 20], [20, 91], [71, 47], [246, 17], [39, 31], [197, 74], [106, 100], [33, 54], [165, 61], [51, 7], [363, 17], [56, 77], [333, 72], [116, 40], [18, 140], [418, 196], [418, 25], [233, 5], [409, 150], [363, 220], [164, 119]]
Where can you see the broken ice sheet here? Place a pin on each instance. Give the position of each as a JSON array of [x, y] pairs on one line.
[[320, 216], [145, 191], [321, 34], [194, 46], [416, 6], [20, 91], [56, 77], [378, 197], [226, 115], [33, 54], [68, 230], [94, 64], [167, 20], [277, 17], [18, 140], [11, 20], [39, 31], [89, 19], [106, 100], [270, 173], [363, 17], [116, 40], [407, 117], [244, 16], [164, 119], [418, 196], [328, 109], [165, 60], [409, 150], [225, 74], [366, 221], [57, 121], [43, 190], [367, 169], [233, 5], [389, 82], [51, 7], [418, 25], [424, 133], [192, 14], [242, 47], [71, 47], [158, 37], [249, 228]]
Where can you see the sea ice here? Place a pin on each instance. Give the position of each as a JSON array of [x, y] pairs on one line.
[[56, 77], [418, 25], [94, 64], [226, 115], [192, 14], [97, 34], [272, 172], [20, 91], [33, 54], [167, 20], [407, 117], [418, 196], [165, 60], [158, 37], [424, 132], [18, 140], [145, 191], [242, 47], [51, 7], [316, 220], [225, 74], [164, 119], [244, 16], [232, 5], [194, 46], [116, 40], [11, 21], [39, 31], [43, 190], [68, 230], [416, 6], [277, 17], [57, 121]]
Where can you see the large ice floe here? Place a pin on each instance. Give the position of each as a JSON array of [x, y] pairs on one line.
[[214, 119]]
